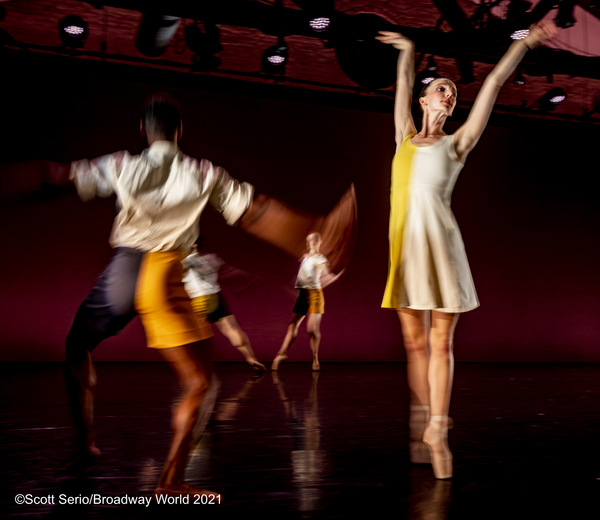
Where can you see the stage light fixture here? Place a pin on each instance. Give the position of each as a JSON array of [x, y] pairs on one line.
[[204, 43], [520, 34], [73, 31], [155, 33], [551, 99], [564, 17], [432, 65], [519, 78], [320, 24], [275, 58]]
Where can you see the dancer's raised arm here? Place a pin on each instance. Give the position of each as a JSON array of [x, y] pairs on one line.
[[468, 134], [403, 119]]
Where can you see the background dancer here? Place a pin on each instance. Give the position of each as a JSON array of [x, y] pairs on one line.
[[313, 275], [201, 279], [429, 280]]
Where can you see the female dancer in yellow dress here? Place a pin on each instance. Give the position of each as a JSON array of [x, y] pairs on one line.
[[429, 280]]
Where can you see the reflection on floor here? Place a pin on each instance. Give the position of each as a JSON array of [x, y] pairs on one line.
[[303, 445]]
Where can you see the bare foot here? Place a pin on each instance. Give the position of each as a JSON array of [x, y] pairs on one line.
[[256, 365], [84, 459], [278, 359], [92, 450]]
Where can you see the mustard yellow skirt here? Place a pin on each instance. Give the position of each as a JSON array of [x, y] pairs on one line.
[[163, 304]]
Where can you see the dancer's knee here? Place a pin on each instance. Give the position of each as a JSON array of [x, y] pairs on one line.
[[314, 333], [196, 387], [441, 343], [415, 344], [293, 329]]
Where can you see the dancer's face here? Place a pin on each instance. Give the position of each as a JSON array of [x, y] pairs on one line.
[[313, 242], [441, 95]]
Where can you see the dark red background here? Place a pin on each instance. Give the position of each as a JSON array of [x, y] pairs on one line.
[[526, 203]]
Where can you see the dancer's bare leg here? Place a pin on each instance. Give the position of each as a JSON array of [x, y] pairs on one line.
[[441, 364], [290, 336], [441, 371], [194, 371], [230, 328], [313, 327], [80, 378], [415, 325]]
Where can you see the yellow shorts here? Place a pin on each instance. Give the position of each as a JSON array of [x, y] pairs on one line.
[[310, 301], [205, 305], [163, 304], [316, 301]]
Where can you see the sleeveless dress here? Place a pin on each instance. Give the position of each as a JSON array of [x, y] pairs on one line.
[[428, 266]]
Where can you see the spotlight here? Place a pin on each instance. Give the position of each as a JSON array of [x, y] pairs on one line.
[[275, 58], [558, 97], [519, 34], [564, 18], [73, 31], [320, 24], [432, 65], [519, 78], [551, 99]]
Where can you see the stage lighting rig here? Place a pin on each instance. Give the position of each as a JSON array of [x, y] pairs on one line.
[[275, 58], [320, 24], [73, 31], [519, 78], [551, 99]]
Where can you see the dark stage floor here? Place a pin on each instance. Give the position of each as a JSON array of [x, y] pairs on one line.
[[334, 445]]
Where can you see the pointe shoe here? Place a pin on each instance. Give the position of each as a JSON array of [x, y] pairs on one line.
[[278, 359], [315, 365], [436, 439], [417, 422]]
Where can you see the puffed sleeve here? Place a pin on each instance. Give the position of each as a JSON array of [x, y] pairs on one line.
[[230, 197], [97, 177]]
